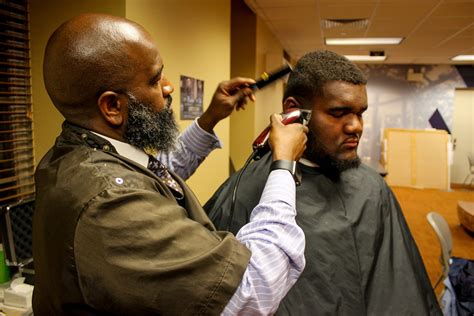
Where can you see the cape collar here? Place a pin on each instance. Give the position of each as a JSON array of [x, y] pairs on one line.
[[308, 163]]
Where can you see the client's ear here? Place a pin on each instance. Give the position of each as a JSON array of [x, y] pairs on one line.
[[290, 103]]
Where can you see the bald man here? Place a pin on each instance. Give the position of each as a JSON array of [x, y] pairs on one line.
[[116, 229]]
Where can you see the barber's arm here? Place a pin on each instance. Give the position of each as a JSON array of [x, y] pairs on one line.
[[153, 256], [276, 242], [229, 95], [199, 139]]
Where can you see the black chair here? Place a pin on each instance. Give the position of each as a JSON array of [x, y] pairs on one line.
[[16, 226]]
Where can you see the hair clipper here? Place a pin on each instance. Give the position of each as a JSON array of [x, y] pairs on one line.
[[260, 145]]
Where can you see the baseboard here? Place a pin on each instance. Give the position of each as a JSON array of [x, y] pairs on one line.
[[462, 186]]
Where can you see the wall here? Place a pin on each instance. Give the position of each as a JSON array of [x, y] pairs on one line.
[[463, 133], [254, 50], [269, 57], [395, 102], [243, 54], [45, 17]]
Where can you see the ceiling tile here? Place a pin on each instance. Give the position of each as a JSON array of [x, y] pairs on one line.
[[282, 3], [450, 50], [338, 10], [435, 23], [422, 42], [294, 26], [305, 46], [461, 41], [455, 9], [428, 32], [411, 2], [458, 1], [283, 13], [345, 2], [416, 9], [392, 27], [300, 37], [434, 30]]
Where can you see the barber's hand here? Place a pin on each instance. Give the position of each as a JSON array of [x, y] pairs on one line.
[[288, 142], [229, 95]]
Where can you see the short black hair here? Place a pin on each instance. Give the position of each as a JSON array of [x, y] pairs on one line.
[[315, 69]]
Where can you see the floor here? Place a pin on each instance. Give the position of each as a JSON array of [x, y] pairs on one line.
[[416, 204]]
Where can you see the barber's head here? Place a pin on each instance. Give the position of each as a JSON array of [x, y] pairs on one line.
[[335, 90], [104, 73]]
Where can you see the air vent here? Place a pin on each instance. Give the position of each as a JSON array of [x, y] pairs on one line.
[[356, 24]]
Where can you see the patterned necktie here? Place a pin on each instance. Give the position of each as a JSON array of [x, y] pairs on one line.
[[160, 170]]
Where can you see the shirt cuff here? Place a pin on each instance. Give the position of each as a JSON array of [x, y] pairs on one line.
[[200, 141]]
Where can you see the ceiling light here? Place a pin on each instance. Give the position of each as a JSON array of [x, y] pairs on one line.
[[463, 58], [365, 58], [364, 41]]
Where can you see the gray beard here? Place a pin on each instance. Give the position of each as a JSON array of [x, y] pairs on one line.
[[150, 130], [329, 164]]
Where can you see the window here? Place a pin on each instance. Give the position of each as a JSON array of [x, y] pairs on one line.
[[16, 135]]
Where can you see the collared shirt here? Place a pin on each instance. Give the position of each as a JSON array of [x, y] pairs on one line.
[[276, 242], [193, 145]]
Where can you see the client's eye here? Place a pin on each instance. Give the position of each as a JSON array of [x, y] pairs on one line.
[[337, 114]]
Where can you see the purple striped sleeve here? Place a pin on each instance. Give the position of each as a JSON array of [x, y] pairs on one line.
[[277, 246], [192, 147]]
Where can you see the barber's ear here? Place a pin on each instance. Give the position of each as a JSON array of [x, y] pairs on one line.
[[113, 106], [290, 103]]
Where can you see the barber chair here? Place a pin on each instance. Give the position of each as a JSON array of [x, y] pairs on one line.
[[16, 226]]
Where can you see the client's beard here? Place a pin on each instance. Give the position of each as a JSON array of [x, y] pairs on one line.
[[150, 130], [330, 164]]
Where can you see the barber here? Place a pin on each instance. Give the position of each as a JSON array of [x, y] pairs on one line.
[[116, 229]]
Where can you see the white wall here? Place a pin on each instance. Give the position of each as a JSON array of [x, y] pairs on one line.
[[463, 133]]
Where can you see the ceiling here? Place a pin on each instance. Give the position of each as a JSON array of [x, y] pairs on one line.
[[434, 31]]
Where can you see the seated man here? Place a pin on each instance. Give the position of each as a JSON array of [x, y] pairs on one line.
[[361, 257], [118, 232]]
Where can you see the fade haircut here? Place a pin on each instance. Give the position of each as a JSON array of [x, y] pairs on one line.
[[317, 68]]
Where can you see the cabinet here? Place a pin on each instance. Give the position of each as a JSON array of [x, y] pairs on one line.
[[416, 158]]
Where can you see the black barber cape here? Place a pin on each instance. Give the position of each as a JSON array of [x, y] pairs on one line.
[[360, 256]]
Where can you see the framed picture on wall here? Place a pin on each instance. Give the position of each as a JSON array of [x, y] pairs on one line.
[[191, 94]]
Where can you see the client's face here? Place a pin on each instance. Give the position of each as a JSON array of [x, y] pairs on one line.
[[336, 126], [147, 129]]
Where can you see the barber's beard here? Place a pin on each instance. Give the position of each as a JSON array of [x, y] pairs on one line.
[[329, 163], [150, 130]]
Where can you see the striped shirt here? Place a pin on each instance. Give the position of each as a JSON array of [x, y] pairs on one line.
[[276, 242]]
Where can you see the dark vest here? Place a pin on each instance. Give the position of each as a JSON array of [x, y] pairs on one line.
[[74, 175]]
